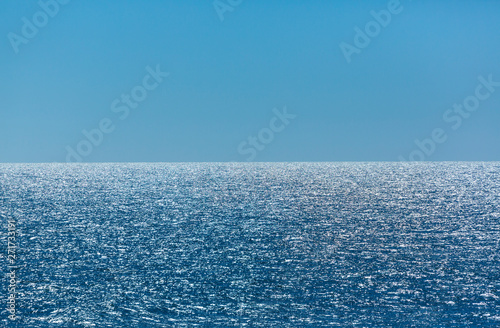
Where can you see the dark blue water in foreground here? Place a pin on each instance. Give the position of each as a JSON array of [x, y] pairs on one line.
[[255, 245]]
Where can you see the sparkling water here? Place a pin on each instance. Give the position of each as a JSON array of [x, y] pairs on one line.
[[255, 245]]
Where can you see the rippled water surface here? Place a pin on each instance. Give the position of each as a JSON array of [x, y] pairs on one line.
[[256, 245]]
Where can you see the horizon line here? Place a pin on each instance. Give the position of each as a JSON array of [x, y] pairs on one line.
[[254, 162]]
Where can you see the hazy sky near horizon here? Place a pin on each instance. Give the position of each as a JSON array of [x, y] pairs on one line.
[[234, 66]]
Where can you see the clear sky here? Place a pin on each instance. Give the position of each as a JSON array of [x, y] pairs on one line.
[[259, 80]]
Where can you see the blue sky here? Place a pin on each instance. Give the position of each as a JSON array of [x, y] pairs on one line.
[[226, 77]]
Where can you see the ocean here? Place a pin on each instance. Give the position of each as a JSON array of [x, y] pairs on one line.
[[250, 245]]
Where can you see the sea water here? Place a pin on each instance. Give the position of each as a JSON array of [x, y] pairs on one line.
[[253, 245]]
